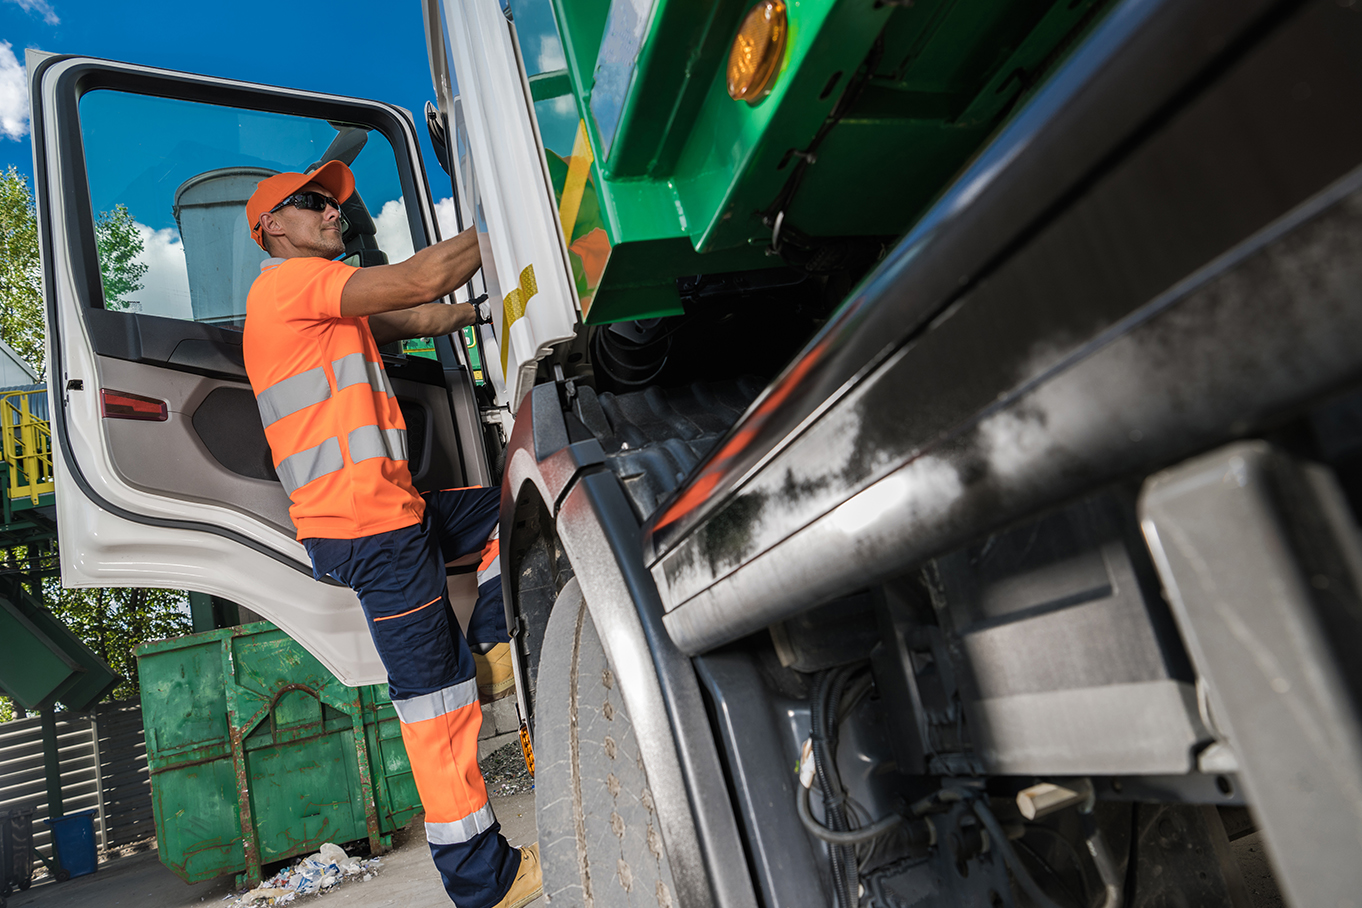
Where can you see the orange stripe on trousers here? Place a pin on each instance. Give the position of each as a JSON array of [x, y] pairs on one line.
[[409, 611], [444, 761]]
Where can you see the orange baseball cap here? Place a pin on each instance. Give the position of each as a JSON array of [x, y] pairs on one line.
[[332, 176]]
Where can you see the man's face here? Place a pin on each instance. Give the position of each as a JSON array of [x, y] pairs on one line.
[[312, 232]]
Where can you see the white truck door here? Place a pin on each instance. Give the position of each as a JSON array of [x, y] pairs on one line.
[[163, 475], [528, 279]]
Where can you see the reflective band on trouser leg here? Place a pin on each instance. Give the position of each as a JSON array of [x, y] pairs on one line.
[[292, 394], [423, 707], [487, 624], [490, 565], [440, 731], [371, 441], [297, 470], [356, 370]]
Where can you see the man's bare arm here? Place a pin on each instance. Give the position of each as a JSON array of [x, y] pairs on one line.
[[430, 320], [428, 275]]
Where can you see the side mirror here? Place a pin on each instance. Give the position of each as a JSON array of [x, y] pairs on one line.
[[439, 134]]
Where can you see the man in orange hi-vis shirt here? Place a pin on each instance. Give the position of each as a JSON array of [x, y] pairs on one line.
[[313, 326]]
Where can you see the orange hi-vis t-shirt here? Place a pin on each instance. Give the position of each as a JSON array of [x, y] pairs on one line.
[[334, 427]]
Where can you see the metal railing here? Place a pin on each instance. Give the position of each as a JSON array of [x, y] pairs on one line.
[[26, 445]]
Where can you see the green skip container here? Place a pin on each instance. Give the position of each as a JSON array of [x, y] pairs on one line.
[[257, 753]]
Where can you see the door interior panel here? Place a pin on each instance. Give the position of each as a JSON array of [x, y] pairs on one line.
[[172, 458], [141, 179], [227, 421], [188, 346]]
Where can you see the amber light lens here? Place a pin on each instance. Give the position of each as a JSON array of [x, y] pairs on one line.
[[755, 57], [122, 405]]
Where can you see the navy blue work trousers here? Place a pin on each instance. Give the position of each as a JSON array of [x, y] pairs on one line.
[[401, 581]]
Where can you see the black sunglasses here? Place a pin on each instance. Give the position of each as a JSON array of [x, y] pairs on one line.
[[309, 201]]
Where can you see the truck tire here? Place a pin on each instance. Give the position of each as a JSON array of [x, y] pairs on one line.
[[598, 831]]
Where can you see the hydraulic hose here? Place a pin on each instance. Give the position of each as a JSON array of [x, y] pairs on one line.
[[998, 839], [849, 838]]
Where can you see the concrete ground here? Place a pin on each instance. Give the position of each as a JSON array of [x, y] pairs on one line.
[[406, 878]]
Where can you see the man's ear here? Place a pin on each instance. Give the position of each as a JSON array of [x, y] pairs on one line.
[[270, 226]]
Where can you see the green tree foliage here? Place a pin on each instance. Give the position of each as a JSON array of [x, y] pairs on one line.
[[21, 301], [114, 622], [120, 247]]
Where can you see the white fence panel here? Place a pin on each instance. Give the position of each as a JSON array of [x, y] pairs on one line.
[[103, 763]]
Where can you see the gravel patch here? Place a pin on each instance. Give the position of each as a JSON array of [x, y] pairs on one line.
[[504, 771]]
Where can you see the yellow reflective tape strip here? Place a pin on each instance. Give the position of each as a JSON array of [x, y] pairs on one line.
[[579, 168], [513, 307]]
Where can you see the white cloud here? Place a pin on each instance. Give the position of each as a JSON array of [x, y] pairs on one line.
[[165, 286], [564, 106], [550, 53], [444, 216], [41, 7], [394, 233], [13, 94]]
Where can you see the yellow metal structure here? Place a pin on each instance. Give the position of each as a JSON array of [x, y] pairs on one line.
[[26, 443]]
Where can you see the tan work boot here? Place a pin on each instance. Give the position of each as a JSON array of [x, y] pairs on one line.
[[529, 881], [495, 678]]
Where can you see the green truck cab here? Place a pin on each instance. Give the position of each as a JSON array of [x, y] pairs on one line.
[[863, 113]]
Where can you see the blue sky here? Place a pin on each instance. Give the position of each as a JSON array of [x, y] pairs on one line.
[[359, 49], [142, 152]]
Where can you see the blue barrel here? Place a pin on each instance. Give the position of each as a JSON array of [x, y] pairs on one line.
[[74, 835]]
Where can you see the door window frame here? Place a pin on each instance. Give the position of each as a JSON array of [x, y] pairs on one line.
[[90, 74]]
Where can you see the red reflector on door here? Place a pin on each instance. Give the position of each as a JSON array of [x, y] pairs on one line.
[[122, 405]]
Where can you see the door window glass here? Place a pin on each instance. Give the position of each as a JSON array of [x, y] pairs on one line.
[[169, 180]]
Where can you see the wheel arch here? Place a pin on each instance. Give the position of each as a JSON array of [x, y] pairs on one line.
[[558, 497]]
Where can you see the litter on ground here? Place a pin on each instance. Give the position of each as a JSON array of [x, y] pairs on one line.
[[504, 772], [316, 873]]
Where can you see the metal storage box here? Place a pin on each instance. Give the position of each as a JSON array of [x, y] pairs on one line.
[[257, 753]]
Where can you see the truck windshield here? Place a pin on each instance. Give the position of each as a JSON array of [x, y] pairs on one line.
[[168, 184]]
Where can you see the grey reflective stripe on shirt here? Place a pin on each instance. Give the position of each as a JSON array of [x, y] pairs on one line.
[[297, 470], [429, 706], [370, 441], [356, 370], [461, 831], [293, 394]]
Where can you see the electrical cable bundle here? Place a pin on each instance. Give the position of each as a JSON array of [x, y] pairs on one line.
[[823, 736], [839, 690], [852, 839]]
